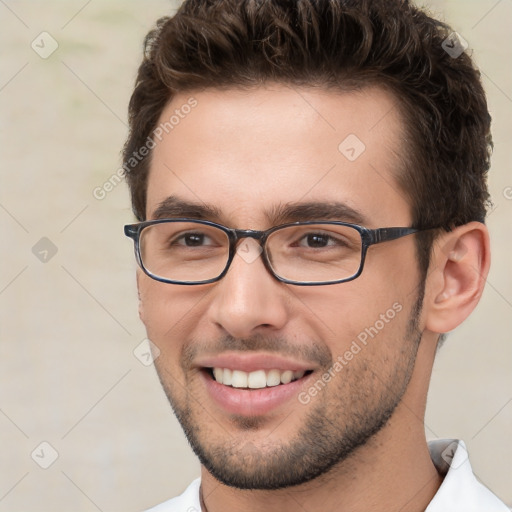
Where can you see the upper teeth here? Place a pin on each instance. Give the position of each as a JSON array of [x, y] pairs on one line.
[[256, 379]]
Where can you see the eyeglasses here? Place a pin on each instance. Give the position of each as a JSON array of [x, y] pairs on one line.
[[189, 251]]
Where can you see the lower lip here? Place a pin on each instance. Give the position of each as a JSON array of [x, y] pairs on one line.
[[254, 402]]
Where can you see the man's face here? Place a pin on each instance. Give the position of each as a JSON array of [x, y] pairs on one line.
[[246, 154]]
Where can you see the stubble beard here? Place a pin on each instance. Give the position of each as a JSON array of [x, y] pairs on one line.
[[330, 433]]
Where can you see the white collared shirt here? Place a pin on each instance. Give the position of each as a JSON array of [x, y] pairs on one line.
[[459, 492]]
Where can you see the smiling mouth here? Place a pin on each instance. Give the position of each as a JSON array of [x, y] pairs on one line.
[[256, 379]]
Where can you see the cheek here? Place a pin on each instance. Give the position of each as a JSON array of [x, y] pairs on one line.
[[168, 311], [361, 310], [343, 318]]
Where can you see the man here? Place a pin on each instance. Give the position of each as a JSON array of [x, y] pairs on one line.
[[310, 181]]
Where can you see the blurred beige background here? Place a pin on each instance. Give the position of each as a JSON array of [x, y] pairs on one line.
[[68, 323]]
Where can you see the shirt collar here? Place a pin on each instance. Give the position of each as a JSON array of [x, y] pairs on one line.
[[460, 490]]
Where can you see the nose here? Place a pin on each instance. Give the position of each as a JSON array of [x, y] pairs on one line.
[[248, 298]]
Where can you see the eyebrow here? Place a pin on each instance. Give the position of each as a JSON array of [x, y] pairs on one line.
[[174, 207], [313, 210]]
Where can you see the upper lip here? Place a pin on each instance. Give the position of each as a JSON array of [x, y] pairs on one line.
[[252, 362]]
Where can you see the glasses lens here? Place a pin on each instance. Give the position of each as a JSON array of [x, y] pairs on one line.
[[184, 251], [315, 253]]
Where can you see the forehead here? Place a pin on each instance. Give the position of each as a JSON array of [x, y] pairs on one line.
[[249, 152]]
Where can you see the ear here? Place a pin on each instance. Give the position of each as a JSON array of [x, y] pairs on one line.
[[458, 270]]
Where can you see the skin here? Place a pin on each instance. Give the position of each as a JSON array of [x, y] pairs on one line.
[[245, 152]]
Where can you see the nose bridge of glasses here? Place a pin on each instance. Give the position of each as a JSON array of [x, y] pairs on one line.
[[249, 233]]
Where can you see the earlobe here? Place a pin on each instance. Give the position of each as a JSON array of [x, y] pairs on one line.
[[459, 266]]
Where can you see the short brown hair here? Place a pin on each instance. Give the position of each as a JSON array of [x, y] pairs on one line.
[[335, 44]]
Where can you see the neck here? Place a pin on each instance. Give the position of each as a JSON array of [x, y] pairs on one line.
[[393, 471]]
